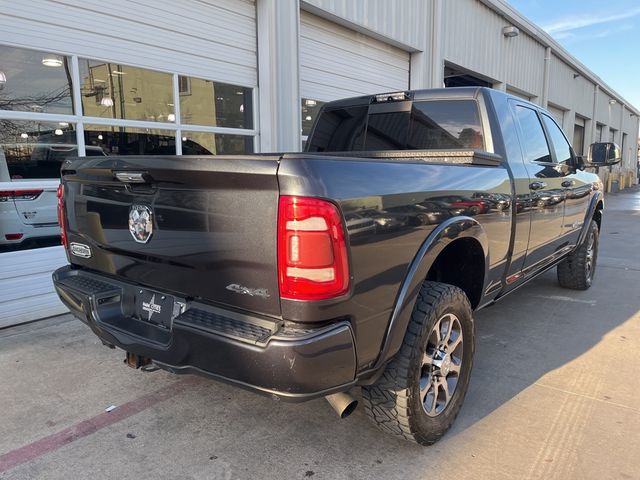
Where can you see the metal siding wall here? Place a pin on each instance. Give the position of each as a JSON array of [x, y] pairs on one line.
[[212, 39], [26, 290], [473, 40], [572, 93], [336, 62], [401, 20]]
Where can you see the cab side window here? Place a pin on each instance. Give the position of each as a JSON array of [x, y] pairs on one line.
[[534, 141], [560, 144]]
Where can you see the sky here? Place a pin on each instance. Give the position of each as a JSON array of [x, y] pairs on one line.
[[603, 35]]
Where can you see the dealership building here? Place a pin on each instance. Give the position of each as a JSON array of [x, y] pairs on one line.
[[83, 77]]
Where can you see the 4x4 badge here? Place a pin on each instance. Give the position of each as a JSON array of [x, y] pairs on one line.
[[141, 223]]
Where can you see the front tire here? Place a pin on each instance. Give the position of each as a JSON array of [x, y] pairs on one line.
[[577, 270], [422, 389]]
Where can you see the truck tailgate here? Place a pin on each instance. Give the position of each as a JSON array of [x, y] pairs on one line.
[[199, 227]]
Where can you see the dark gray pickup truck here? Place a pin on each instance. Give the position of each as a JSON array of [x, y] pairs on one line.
[[357, 263]]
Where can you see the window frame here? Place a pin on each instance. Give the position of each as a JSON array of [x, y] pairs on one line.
[[572, 154], [521, 134], [80, 120]]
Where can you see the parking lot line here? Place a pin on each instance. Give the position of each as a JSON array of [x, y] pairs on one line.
[[57, 440]]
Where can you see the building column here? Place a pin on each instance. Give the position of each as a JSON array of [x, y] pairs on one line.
[[594, 117], [279, 75], [427, 66], [545, 82]]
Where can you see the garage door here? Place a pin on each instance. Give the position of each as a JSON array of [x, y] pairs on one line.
[[213, 40], [336, 62]]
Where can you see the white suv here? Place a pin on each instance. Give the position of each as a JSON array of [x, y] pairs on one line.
[[28, 206]]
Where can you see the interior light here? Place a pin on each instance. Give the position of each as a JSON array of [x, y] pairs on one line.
[[239, 92], [52, 61], [310, 103], [118, 72], [3, 78], [24, 135], [63, 124], [100, 137], [308, 118], [242, 108], [106, 102], [171, 117], [184, 139], [58, 131]]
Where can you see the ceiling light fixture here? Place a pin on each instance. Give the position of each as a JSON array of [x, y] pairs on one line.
[[107, 102], [100, 137], [171, 117], [510, 31], [58, 131], [52, 61], [24, 135], [63, 124], [310, 103], [3, 78]]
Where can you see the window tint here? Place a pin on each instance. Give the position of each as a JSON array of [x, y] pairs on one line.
[[387, 131], [445, 124], [339, 130], [560, 144], [34, 149], [429, 125], [534, 142], [310, 110]]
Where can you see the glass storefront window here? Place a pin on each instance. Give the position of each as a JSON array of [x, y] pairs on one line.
[[34, 81], [105, 140], [112, 90], [31, 149], [310, 110], [204, 143], [213, 104]]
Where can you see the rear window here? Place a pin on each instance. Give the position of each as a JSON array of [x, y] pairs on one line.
[[427, 125]]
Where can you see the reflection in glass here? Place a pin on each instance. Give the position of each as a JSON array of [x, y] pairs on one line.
[[111, 90], [30, 149], [213, 104], [534, 142], [33, 81], [105, 140], [203, 143], [310, 110]]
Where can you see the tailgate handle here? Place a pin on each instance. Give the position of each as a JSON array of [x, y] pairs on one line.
[[133, 177]]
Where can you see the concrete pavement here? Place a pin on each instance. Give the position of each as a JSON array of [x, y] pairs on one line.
[[555, 393]]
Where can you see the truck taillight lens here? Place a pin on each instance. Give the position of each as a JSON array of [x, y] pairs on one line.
[[312, 250], [63, 227]]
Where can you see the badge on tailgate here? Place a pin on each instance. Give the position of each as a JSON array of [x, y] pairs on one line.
[[80, 250]]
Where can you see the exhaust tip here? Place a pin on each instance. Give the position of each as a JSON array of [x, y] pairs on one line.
[[343, 403]]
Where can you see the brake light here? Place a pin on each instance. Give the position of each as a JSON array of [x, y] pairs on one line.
[[31, 194], [61, 215], [312, 250]]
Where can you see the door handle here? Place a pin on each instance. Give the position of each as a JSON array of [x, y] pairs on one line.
[[568, 183], [537, 185]]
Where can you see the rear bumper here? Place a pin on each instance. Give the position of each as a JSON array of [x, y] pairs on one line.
[[256, 353]]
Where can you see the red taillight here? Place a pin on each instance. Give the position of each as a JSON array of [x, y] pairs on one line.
[[312, 250], [63, 226], [30, 194]]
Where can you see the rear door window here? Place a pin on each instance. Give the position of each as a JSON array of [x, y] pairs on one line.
[[339, 130]]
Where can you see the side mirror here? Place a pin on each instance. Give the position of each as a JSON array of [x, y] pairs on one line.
[[604, 154]]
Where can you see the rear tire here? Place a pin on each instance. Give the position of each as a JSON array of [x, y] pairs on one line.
[[421, 391], [577, 270]]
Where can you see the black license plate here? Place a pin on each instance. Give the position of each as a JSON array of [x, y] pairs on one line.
[[154, 307]]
